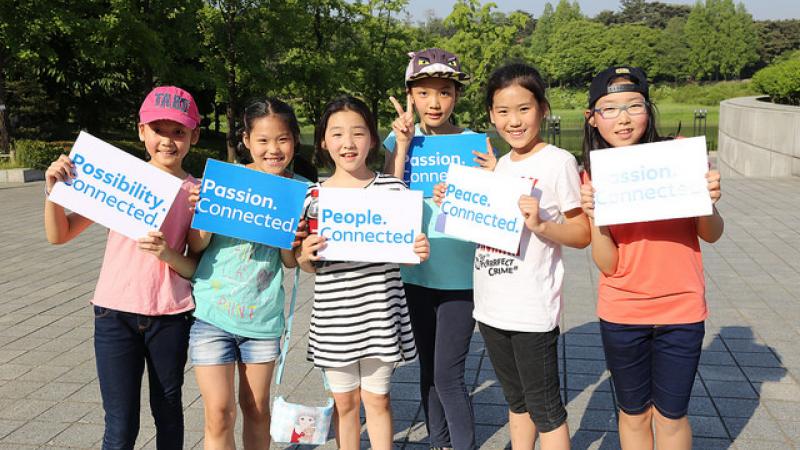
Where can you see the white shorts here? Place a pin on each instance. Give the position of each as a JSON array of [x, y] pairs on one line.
[[372, 374]]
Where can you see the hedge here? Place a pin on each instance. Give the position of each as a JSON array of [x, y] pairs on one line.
[[780, 81], [37, 154]]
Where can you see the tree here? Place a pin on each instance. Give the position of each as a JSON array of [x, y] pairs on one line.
[[672, 50], [721, 38], [551, 22], [379, 53], [483, 40], [237, 41], [776, 37]]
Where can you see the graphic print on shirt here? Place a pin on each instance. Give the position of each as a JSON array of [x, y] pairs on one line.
[[238, 276]]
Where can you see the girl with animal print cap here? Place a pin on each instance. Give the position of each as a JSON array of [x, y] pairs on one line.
[[439, 291]]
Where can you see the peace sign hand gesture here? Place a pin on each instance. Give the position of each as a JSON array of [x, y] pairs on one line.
[[403, 125]]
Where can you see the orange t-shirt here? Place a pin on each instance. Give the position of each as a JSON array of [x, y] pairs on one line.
[[659, 277]]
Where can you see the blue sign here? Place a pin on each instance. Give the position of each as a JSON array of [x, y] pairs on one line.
[[429, 158], [247, 204]]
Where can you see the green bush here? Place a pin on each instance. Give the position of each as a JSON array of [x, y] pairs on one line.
[[567, 98], [781, 82], [37, 154], [711, 93]]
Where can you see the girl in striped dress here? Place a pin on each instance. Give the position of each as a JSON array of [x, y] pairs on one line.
[[360, 329]]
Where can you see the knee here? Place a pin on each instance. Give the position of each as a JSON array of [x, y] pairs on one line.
[[666, 425], [254, 409], [637, 421], [376, 402], [220, 420], [347, 402]]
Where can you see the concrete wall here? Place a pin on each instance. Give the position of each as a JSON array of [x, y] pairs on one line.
[[758, 138]]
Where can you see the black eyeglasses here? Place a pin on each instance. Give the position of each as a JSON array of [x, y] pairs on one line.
[[613, 111]]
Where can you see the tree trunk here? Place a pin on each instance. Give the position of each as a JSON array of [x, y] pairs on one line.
[[5, 127]]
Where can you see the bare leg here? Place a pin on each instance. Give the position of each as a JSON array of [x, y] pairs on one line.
[[348, 423], [379, 419], [523, 431], [673, 433], [557, 439], [217, 389], [254, 383], [636, 431]]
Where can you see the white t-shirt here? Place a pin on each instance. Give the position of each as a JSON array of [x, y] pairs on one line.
[[523, 293]]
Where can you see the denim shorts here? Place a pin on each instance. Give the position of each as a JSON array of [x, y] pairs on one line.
[[211, 345], [653, 365]]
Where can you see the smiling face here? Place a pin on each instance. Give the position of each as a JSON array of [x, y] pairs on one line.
[[434, 101], [625, 129], [167, 143], [271, 144], [348, 141], [517, 115]]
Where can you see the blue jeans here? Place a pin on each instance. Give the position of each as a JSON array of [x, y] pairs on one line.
[[443, 325], [123, 344]]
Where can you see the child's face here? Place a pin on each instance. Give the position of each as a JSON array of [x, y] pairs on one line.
[[271, 144], [517, 115], [434, 100], [348, 140], [167, 142], [626, 128]]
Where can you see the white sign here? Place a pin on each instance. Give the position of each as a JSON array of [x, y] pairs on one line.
[[641, 183], [483, 207], [115, 189], [369, 225]]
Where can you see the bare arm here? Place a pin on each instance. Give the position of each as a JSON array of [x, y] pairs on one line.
[[155, 244], [604, 250], [573, 232], [59, 226]]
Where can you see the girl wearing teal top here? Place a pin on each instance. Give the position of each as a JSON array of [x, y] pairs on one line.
[[238, 290], [438, 291]]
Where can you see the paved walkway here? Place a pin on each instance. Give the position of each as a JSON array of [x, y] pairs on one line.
[[746, 396]]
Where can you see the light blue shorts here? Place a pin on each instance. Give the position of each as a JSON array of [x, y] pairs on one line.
[[211, 345]]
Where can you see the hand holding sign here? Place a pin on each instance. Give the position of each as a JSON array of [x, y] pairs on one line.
[[529, 206], [587, 199], [61, 169], [714, 186], [403, 126], [422, 247]]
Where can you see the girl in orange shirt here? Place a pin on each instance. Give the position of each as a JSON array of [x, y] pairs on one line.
[[651, 293]]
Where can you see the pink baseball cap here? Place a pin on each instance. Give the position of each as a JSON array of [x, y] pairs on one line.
[[170, 103]]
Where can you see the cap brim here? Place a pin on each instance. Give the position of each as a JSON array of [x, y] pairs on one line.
[[188, 122], [459, 77]]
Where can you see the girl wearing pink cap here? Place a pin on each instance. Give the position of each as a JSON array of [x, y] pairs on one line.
[[143, 299]]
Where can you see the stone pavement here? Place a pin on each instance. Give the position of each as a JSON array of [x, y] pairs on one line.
[[746, 395]]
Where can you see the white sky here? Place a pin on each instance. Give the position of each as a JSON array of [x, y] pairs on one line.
[[760, 9]]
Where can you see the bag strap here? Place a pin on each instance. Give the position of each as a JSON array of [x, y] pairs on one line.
[[287, 332], [287, 336]]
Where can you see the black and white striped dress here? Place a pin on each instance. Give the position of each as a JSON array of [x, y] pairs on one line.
[[359, 308]]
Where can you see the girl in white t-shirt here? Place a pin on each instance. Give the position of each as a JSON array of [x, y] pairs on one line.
[[518, 297]]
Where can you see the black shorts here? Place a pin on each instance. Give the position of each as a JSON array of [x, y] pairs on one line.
[[526, 363]]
